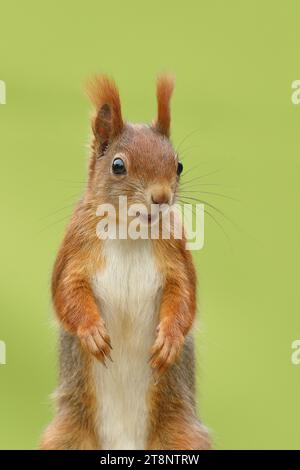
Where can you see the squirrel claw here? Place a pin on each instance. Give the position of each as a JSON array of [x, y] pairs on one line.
[[110, 358], [96, 341], [165, 351]]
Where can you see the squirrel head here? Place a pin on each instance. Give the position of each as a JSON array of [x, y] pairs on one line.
[[134, 160]]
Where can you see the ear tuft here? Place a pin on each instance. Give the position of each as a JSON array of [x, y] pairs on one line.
[[164, 89], [104, 95]]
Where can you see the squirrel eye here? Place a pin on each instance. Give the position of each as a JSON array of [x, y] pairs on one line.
[[118, 166], [179, 168]]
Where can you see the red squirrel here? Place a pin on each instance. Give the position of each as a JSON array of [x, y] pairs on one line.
[[125, 304]]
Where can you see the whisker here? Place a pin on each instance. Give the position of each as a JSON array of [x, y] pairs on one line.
[[188, 149], [57, 211], [187, 137], [54, 223], [216, 222], [212, 184], [202, 176], [61, 180], [220, 226], [213, 193], [190, 169], [212, 206]]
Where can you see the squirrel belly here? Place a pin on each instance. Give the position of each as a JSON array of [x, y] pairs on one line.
[[128, 291]]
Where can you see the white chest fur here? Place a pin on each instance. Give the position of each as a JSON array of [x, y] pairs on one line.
[[128, 291]]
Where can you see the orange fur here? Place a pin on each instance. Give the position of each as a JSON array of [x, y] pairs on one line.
[[164, 90], [178, 303], [73, 298], [102, 92]]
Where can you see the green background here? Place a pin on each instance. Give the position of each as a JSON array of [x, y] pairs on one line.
[[234, 62]]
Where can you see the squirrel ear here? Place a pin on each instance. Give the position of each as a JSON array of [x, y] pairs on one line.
[[164, 89], [107, 122]]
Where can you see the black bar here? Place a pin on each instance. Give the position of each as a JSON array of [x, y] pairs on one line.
[[134, 459]]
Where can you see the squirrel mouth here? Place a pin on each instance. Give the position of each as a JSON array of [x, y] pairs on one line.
[[147, 219]]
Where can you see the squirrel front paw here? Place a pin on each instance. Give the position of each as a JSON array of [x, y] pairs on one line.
[[95, 339], [167, 347]]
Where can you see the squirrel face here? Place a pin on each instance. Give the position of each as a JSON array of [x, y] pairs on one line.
[[133, 160], [140, 164]]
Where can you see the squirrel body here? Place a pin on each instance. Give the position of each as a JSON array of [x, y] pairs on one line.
[[128, 305]]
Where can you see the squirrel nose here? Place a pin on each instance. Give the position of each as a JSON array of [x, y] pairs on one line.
[[160, 198]]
